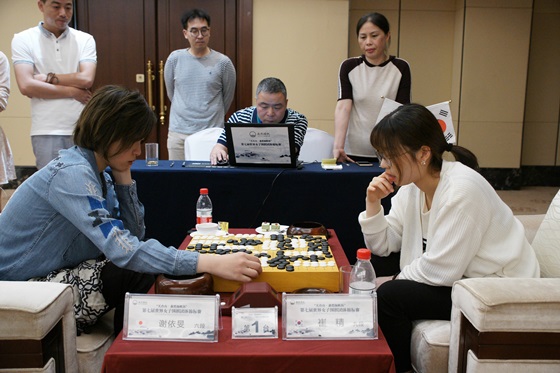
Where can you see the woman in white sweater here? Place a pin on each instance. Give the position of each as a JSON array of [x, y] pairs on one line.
[[446, 221]]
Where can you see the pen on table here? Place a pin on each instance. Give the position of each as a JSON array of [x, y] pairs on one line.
[[172, 163], [183, 165]]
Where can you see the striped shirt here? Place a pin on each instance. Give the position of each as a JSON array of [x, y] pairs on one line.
[[249, 115]]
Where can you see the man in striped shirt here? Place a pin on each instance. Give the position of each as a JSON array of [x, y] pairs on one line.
[[271, 108]]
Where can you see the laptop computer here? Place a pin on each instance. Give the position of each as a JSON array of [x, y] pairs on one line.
[[261, 145]]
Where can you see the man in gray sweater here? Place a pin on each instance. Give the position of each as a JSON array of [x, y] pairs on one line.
[[200, 84]]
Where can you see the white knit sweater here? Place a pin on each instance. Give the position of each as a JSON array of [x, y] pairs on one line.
[[471, 232]]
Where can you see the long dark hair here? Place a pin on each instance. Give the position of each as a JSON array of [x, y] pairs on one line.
[[407, 129]]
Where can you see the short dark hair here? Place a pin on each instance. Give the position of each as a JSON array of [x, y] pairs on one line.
[[377, 19], [407, 129], [271, 85], [114, 114], [191, 14]]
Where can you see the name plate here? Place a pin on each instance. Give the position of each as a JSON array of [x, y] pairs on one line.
[[171, 317], [254, 322], [329, 316]]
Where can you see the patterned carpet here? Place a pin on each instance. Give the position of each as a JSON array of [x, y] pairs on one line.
[[5, 194], [529, 200]]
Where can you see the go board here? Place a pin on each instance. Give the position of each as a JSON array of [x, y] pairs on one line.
[[288, 262]]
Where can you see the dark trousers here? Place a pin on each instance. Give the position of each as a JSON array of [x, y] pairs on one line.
[[386, 265], [400, 302], [116, 283]]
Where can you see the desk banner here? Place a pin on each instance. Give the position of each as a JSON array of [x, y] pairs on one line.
[[329, 316], [171, 317]]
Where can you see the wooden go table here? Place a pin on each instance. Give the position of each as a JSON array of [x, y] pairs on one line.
[[252, 355]]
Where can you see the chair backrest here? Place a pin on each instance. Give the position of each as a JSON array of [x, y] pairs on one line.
[[199, 145], [317, 145], [547, 240]]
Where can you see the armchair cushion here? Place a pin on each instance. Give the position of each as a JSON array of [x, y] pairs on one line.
[[522, 310], [509, 304], [531, 223], [428, 336], [547, 241], [430, 345], [93, 346], [29, 311], [50, 367], [476, 365]]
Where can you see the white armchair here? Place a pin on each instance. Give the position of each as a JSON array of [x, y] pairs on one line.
[[199, 145], [38, 330], [317, 145], [500, 324]]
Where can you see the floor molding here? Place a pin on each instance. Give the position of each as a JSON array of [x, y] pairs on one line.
[[516, 178]]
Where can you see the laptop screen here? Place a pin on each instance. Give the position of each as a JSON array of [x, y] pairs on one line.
[[251, 144]]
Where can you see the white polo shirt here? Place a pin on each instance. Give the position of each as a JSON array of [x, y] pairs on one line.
[[49, 54]]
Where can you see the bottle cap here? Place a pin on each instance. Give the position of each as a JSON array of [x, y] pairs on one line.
[[364, 254], [203, 190]]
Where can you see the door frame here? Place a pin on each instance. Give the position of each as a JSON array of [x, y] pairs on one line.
[[239, 48]]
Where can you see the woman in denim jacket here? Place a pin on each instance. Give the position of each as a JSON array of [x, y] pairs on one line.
[[71, 215]]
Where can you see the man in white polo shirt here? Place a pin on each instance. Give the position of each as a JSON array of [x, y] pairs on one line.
[[55, 66]]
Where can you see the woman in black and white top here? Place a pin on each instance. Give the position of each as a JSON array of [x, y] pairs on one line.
[[363, 82]]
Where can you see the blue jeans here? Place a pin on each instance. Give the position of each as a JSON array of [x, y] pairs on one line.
[[46, 147]]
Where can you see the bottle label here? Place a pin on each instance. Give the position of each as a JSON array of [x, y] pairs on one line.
[[203, 219]]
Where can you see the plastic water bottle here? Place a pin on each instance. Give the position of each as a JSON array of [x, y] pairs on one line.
[[362, 277], [203, 207]]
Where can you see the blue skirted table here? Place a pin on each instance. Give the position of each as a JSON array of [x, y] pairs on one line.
[[247, 196]]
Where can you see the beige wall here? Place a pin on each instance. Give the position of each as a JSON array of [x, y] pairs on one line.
[[16, 120], [476, 53], [541, 141], [422, 33], [493, 80], [497, 65], [428, 26], [303, 44]]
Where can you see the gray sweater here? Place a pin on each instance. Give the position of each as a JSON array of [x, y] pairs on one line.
[[200, 89]]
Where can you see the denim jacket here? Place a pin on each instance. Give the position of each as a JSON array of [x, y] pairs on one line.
[[69, 212]]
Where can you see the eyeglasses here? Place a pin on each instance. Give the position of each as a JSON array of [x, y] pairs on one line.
[[203, 31], [388, 162]]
